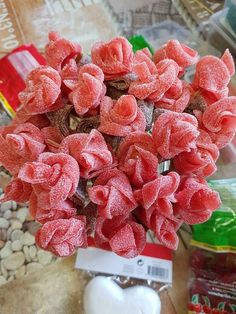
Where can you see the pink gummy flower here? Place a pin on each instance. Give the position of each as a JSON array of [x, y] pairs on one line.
[[213, 74], [90, 151], [165, 230], [88, 90], [158, 195], [174, 133], [113, 194], [195, 200], [124, 237], [144, 57], [200, 160], [183, 55], [18, 191], [62, 236], [52, 138], [176, 98], [54, 177], [164, 227], [121, 117], [43, 214], [137, 158], [114, 57], [219, 120], [19, 144], [59, 51], [43, 90], [151, 84]]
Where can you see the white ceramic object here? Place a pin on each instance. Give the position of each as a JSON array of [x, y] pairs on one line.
[[103, 296]]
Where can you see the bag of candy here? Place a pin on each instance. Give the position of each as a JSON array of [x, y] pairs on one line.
[[213, 257]]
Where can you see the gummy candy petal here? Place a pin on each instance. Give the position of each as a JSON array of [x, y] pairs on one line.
[[62, 236], [174, 133], [59, 51], [114, 57], [122, 117]]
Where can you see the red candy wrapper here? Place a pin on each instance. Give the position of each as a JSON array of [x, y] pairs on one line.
[[15, 68]]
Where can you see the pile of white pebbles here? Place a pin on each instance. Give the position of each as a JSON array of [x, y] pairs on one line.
[[18, 253]]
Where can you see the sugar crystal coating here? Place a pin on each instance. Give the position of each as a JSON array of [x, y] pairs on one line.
[[119, 118], [174, 133], [113, 194], [62, 236], [114, 57], [195, 200]]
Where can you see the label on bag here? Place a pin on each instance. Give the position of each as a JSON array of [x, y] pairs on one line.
[[155, 263]]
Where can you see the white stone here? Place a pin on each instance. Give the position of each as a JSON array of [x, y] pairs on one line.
[[16, 245], [2, 280], [3, 270], [6, 206], [32, 267], [20, 271], [11, 278], [27, 239], [16, 234], [9, 230], [14, 261], [44, 257], [13, 205], [22, 214], [32, 251], [6, 250], [2, 244], [7, 214], [4, 223], [26, 252], [16, 224], [133, 300]]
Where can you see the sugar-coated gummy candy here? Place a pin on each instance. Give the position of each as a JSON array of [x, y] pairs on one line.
[[59, 51], [121, 117], [52, 137], [164, 227], [113, 194], [90, 151], [219, 119], [176, 98], [62, 236], [18, 191], [213, 74], [200, 160], [42, 92], [158, 195], [137, 158], [113, 57], [144, 57], [88, 90], [19, 144], [152, 86], [195, 200], [174, 133], [124, 237], [183, 55], [42, 214], [54, 176]]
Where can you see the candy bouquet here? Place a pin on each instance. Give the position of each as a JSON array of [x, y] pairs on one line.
[[85, 147]]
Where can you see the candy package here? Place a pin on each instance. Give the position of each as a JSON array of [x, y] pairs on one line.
[[213, 257], [125, 286]]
